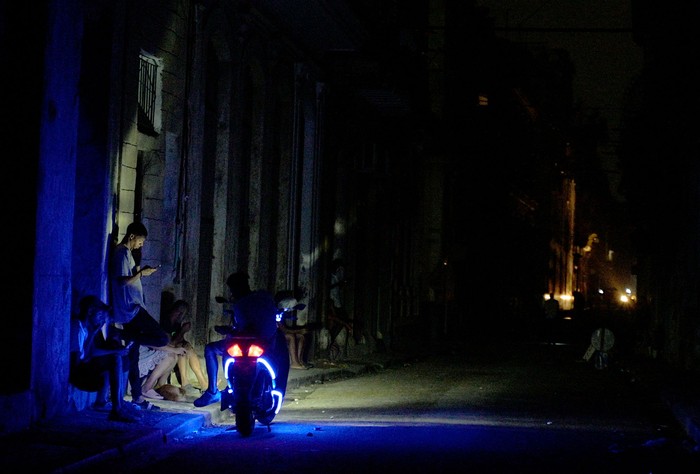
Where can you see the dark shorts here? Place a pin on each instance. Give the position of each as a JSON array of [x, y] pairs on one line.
[[90, 376]]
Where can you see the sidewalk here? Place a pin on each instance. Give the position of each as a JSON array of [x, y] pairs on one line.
[[77, 442]]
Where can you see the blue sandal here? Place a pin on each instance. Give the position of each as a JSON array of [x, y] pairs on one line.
[[145, 405]]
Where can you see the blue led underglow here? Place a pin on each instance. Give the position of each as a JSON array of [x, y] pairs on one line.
[[263, 361], [278, 394], [228, 362]]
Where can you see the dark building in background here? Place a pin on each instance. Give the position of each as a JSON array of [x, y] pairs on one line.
[[659, 155], [506, 136]]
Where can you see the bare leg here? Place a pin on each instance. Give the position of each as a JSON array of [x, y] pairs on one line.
[[301, 343], [196, 367], [164, 368], [163, 380], [293, 354], [182, 368]]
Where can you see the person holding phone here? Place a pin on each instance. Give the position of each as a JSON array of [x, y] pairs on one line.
[[95, 363], [130, 311]]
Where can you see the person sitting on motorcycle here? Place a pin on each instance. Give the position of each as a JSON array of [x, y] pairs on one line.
[[254, 314]]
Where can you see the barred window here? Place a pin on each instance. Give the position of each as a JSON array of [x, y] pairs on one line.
[[150, 73]]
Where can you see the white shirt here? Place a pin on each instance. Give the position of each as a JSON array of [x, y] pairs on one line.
[[127, 297]]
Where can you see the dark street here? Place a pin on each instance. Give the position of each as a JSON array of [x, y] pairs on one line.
[[520, 407]]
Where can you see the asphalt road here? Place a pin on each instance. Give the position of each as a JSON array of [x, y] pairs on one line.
[[516, 408]]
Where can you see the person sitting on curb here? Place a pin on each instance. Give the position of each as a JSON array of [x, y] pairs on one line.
[[155, 364], [95, 362], [177, 326], [254, 313], [295, 335]]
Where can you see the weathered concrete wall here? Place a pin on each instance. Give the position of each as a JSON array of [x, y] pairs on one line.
[[55, 212]]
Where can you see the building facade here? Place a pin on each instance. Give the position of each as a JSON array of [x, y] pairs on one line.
[[258, 137]]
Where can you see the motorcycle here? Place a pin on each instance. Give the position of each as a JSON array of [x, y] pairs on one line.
[[256, 373]]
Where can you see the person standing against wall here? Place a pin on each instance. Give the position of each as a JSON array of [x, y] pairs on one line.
[[129, 306], [338, 318], [551, 314]]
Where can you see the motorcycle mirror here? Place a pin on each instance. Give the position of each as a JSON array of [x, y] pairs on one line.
[[220, 299]]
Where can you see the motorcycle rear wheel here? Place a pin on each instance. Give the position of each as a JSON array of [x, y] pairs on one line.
[[245, 421]]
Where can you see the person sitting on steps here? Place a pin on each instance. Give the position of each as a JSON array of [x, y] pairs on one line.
[[177, 326], [294, 335], [94, 361], [155, 364]]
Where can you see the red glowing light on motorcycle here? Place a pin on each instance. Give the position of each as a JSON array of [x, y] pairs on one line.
[[235, 351], [255, 351]]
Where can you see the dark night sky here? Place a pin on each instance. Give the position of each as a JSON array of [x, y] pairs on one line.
[[596, 33]]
